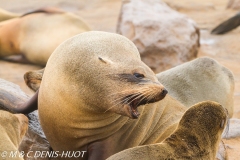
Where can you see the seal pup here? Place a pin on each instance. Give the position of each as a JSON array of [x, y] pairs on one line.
[[199, 80], [197, 137], [5, 15], [35, 35], [12, 129], [98, 105]]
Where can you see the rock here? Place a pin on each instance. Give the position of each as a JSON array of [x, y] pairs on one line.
[[33, 146], [164, 37], [234, 4], [222, 152], [194, 6], [34, 140], [233, 130]]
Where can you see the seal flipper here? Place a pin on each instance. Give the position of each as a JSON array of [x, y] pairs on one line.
[[14, 100], [17, 59], [28, 106], [227, 25], [33, 79]]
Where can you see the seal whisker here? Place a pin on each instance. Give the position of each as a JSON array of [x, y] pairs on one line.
[[134, 96], [127, 91], [146, 96], [128, 97], [139, 99], [141, 94], [123, 100]]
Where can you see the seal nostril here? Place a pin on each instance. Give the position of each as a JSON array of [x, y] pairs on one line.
[[164, 92]]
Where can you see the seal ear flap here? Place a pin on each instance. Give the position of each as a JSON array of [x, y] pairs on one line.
[[104, 60]]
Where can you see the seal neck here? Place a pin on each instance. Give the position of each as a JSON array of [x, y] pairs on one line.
[[89, 126]]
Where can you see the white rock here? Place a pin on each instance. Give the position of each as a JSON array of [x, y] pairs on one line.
[[233, 131], [164, 37]]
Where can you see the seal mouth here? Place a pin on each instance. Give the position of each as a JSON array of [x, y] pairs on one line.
[[133, 104], [134, 101]]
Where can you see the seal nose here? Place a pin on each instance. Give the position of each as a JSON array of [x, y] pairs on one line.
[[164, 92]]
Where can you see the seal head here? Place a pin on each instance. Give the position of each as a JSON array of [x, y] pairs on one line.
[[103, 64], [103, 83]]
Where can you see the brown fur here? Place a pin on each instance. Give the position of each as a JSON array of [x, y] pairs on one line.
[[12, 129], [29, 34], [197, 137]]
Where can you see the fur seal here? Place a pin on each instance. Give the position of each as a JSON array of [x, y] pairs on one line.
[[29, 34], [199, 80], [98, 105], [5, 15], [197, 137], [12, 129], [92, 128]]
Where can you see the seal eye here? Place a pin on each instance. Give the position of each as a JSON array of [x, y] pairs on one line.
[[138, 75]]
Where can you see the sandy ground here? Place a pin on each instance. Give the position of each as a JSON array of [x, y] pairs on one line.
[[103, 15]]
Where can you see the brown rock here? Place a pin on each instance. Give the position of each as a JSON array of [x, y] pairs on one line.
[[33, 146], [164, 37], [234, 4], [34, 140]]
